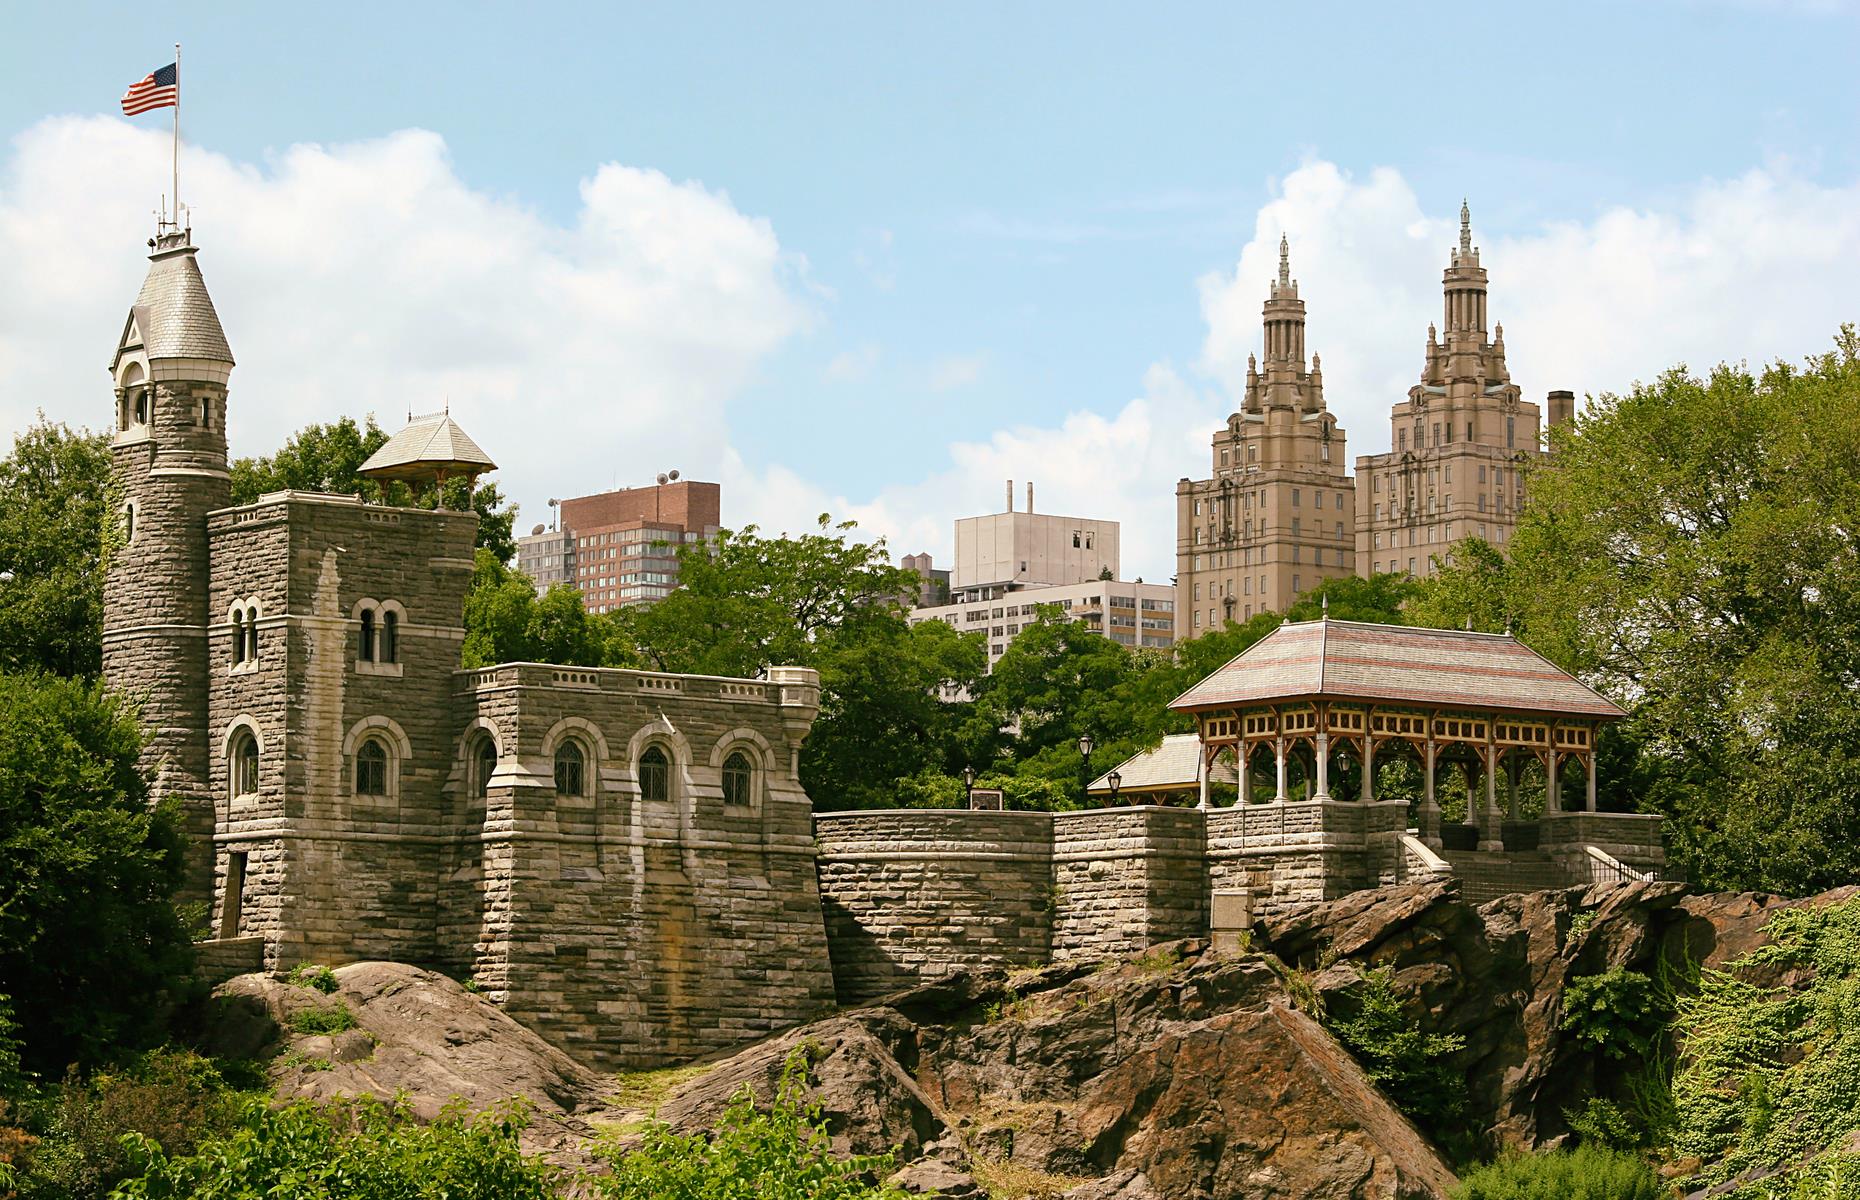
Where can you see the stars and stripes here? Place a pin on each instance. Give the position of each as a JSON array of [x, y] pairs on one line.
[[160, 89]]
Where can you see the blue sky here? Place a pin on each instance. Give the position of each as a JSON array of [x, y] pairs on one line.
[[991, 218]]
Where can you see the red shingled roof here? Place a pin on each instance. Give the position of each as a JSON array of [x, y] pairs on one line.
[[1401, 664]]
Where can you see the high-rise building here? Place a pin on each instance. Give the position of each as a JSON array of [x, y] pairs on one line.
[[933, 586], [621, 547], [1009, 564], [1278, 513], [1458, 445], [1009, 550]]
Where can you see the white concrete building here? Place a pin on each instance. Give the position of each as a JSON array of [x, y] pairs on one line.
[[1138, 615]]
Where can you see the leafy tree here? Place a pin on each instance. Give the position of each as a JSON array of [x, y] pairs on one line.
[[505, 621], [91, 948], [327, 458], [54, 490], [1690, 548], [1471, 589]]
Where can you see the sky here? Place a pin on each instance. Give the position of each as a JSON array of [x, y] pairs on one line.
[[874, 260]]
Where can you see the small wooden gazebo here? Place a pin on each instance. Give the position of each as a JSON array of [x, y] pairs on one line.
[[430, 450], [1323, 692]]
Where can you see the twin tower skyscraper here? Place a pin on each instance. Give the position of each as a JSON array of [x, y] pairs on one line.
[[1280, 511]]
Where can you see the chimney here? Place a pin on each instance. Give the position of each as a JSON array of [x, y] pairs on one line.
[[1562, 407], [1030, 495], [1010, 494]]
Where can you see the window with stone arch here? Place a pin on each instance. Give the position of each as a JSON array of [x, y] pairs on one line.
[[372, 765], [366, 651], [484, 765], [238, 636], [571, 769], [739, 779], [390, 637], [243, 764], [655, 774], [251, 633]]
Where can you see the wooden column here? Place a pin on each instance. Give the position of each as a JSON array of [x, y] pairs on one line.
[[1551, 802], [1244, 751], [1323, 766], [1493, 835], [1202, 771], [1589, 767], [1369, 768], [1279, 749]]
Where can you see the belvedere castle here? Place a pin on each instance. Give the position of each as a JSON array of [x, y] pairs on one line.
[[626, 860]]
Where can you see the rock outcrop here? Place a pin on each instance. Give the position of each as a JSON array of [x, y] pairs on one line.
[[1497, 975], [1182, 1074]]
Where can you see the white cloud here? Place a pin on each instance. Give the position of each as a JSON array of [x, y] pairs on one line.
[[1755, 268], [954, 371], [852, 366], [368, 277]]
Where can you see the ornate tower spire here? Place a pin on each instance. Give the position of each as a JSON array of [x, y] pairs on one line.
[[1465, 283], [1465, 227], [1285, 322]]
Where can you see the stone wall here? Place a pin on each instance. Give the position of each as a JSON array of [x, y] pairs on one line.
[[912, 894], [1303, 852], [633, 931], [1126, 879]]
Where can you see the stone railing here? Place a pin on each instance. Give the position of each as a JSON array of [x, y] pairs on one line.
[[617, 680]]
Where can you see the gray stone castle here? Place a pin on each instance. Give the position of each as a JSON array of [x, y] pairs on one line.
[[626, 860]]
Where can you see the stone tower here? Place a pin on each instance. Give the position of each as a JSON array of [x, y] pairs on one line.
[[169, 372], [1459, 440], [1278, 516]]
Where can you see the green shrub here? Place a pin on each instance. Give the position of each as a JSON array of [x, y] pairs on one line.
[[1618, 1014], [360, 1149], [315, 976], [1585, 1173], [778, 1153], [171, 1098], [1771, 1076], [1605, 1123], [1412, 1068], [327, 1019]]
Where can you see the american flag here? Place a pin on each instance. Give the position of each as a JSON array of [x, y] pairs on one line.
[[162, 89]]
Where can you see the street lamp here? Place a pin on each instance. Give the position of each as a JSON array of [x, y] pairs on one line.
[[968, 786], [1085, 745], [1114, 779]]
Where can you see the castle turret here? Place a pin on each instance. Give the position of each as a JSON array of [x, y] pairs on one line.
[[169, 372]]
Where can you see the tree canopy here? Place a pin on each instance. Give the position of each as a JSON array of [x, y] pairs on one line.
[[327, 458], [1691, 549], [54, 492], [90, 944]]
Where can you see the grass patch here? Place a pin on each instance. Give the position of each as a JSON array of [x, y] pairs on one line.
[[1011, 1181], [646, 1089], [1159, 961], [329, 1019], [309, 1062]]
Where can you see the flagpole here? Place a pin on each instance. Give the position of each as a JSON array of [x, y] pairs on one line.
[[177, 135]]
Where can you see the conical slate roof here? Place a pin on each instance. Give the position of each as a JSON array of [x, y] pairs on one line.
[[173, 317], [429, 447]]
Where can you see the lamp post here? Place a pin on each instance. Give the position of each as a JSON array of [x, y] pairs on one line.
[[1085, 745], [968, 786], [1114, 778]]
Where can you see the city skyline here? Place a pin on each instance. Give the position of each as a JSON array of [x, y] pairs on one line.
[[1058, 283]]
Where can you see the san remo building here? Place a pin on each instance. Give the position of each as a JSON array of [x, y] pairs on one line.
[[1279, 514]]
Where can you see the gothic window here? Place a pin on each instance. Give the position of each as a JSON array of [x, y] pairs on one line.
[[238, 632], [738, 776], [139, 405], [655, 775], [371, 769], [570, 769], [390, 636], [484, 764], [244, 764], [367, 653], [251, 634]]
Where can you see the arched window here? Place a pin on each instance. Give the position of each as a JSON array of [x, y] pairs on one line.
[[371, 769], [655, 775], [129, 523], [368, 635], [484, 764], [738, 777], [570, 769], [139, 405], [238, 646], [244, 764], [390, 636], [251, 633]]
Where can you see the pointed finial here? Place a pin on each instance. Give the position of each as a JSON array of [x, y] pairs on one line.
[[1465, 227], [1285, 262], [1468, 622], [1324, 606]]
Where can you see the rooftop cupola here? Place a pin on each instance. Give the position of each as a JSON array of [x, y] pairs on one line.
[[430, 450], [1465, 285], [1284, 319]]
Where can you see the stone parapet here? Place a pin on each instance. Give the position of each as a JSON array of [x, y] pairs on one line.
[[1127, 878]]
